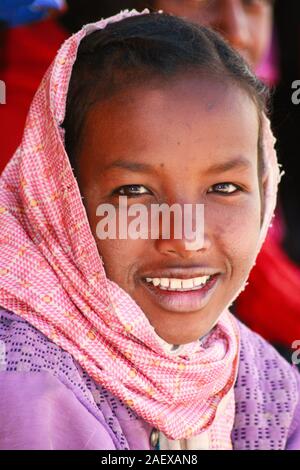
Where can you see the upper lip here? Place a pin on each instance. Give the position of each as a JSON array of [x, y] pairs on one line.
[[183, 273]]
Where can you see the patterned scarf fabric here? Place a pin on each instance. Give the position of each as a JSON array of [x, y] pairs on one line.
[[52, 275]]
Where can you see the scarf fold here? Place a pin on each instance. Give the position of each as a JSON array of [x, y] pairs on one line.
[[52, 275]]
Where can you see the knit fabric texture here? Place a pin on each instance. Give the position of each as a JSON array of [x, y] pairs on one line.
[[266, 389]]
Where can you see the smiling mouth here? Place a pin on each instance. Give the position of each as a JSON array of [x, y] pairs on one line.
[[182, 295], [179, 285]]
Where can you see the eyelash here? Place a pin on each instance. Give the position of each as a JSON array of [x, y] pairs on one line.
[[117, 192], [238, 188]]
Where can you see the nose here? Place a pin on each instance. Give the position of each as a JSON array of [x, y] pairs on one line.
[[180, 248], [233, 22], [184, 243]]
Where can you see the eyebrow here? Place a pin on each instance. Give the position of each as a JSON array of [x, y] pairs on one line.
[[238, 162], [135, 167]]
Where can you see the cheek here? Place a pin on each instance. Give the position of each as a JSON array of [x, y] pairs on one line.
[[261, 31], [121, 259], [237, 233]]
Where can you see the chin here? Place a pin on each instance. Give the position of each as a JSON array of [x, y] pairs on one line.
[[179, 334]]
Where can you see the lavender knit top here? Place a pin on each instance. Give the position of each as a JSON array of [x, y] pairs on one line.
[[49, 402]]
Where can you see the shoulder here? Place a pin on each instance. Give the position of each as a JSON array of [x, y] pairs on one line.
[[30, 361], [263, 360], [37, 412], [267, 393], [25, 349]]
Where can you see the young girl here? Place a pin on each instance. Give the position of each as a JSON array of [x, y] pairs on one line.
[[129, 344], [275, 279]]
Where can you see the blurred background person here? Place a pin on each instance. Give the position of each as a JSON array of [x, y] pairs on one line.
[[287, 120], [26, 52], [246, 24], [31, 32]]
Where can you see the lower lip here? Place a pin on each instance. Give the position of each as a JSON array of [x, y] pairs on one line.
[[187, 301]]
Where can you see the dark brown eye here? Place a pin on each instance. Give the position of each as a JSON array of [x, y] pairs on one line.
[[224, 188], [131, 190]]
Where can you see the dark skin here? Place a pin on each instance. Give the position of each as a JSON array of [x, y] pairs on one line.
[[246, 24], [179, 133]]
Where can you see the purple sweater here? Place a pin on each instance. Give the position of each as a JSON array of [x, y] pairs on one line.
[[49, 402]]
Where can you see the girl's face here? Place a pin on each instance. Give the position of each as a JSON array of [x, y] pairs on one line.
[[177, 143], [247, 24]]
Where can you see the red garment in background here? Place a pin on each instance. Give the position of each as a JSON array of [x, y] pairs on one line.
[[28, 52], [270, 303]]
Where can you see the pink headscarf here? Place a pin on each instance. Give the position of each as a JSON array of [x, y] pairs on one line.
[[52, 275]]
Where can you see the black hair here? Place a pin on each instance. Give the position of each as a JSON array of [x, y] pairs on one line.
[[139, 48]]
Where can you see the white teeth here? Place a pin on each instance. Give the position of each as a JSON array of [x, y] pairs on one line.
[[187, 283], [164, 282], [178, 284], [200, 280], [175, 284]]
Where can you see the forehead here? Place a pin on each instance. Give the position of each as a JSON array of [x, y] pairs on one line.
[[179, 119]]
